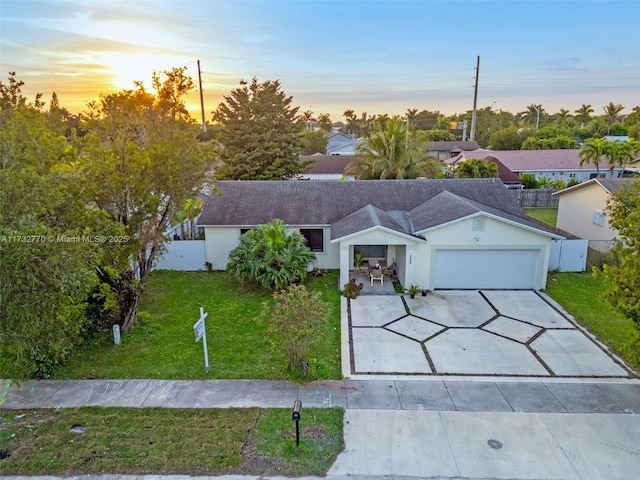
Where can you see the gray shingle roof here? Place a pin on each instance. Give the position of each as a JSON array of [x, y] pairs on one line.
[[365, 218], [353, 206], [612, 185]]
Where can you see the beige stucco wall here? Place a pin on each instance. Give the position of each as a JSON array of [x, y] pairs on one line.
[[219, 242], [414, 257], [575, 213]]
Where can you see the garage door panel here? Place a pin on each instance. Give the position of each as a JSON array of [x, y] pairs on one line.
[[485, 268]]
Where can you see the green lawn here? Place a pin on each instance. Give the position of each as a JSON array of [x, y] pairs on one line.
[[581, 295], [547, 215], [159, 441], [162, 345]]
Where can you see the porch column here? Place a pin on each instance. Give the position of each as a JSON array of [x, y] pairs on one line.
[[344, 264], [410, 266]]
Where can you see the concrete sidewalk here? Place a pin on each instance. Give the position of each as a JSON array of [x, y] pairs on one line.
[[411, 429], [617, 397]]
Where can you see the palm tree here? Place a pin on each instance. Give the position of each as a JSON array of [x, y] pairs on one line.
[[411, 113], [621, 153], [584, 114], [532, 115], [592, 151], [563, 117], [306, 117], [614, 152], [595, 128], [324, 122], [350, 117], [476, 168], [270, 257], [388, 152], [611, 114]]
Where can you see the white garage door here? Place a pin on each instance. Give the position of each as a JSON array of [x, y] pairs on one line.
[[486, 268]]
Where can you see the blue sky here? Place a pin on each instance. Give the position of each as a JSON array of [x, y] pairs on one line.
[[373, 56]]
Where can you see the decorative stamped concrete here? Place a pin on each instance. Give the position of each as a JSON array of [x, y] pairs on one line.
[[466, 333]]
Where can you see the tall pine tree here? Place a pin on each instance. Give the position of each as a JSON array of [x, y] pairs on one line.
[[259, 133]]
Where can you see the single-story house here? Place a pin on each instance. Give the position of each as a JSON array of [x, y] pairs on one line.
[[327, 167], [443, 150], [581, 210], [510, 179], [553, 164], [339, 143], [456, 233]]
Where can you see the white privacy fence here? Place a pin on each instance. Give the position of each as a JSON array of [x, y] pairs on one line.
[[568, 255], [183, 255]]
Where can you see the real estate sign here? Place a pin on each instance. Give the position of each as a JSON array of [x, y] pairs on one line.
[[201, 333]]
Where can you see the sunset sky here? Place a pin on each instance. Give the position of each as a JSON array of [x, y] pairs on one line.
[[373, 56]]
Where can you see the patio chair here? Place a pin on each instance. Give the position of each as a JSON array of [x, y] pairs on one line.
[[390, 270], [364, 268], [376, 274]]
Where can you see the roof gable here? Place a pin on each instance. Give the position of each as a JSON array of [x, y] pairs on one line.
[[610, 185], [365, 218]]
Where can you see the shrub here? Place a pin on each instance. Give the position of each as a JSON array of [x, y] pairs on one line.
[[528, 180], [351, 289], [294, 318], [270, 257]]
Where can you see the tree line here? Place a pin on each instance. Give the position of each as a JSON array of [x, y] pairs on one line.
[[86, 203]]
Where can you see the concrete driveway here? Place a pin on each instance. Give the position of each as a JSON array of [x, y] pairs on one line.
[[470, 333]]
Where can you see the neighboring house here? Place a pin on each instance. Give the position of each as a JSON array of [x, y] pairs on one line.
[[327, 167], [510, 179], [446, 150], [339, 143], [463, 233], [553, 164], [581, 210]]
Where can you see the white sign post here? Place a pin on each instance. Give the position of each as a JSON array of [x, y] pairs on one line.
[[201, 333]]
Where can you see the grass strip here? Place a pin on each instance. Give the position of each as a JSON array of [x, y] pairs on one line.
[[166, 441], [547, 215], [580, 294]]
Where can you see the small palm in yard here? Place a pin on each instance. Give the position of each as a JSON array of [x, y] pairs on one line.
[[270, 257]]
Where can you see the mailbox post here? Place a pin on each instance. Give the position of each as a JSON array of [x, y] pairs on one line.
[[295, 416]]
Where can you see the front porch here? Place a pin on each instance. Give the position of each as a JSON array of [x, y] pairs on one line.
[[377, 288]]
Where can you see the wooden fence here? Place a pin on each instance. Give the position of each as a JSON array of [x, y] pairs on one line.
[[540, 198]]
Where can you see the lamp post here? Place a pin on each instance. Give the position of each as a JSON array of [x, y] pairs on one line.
[[537, 116]]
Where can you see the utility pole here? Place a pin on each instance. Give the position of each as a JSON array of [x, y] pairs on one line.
[[204, 124], [472, 136]]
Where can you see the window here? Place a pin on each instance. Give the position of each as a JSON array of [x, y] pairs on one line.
[[244, 230], [598, 217], [314, 238], [478, 224], [371, 251]]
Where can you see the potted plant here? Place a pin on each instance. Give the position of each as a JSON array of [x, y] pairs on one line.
[[351, 289], [358, 258], [413, 289]]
